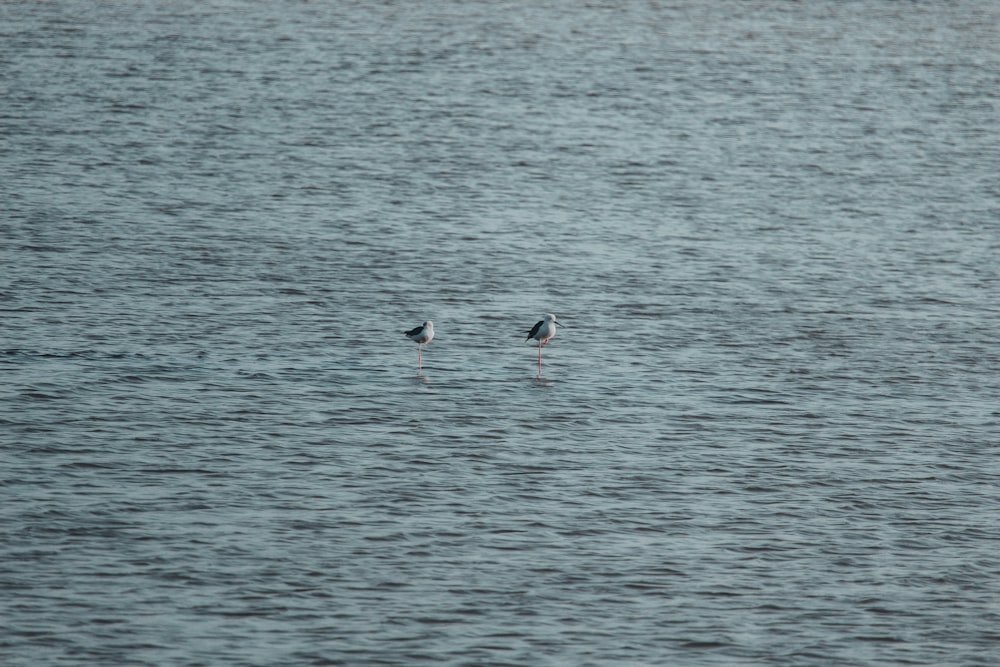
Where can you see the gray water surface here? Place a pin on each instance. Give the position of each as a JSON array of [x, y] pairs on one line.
[[768, 434]]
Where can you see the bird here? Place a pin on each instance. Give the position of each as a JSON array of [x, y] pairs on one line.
[[421, 336], [543, 331]]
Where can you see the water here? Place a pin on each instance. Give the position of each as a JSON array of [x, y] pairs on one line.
[[768, 434]]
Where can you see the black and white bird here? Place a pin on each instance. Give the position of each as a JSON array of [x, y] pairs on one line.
[[543, 332], [421, 336]]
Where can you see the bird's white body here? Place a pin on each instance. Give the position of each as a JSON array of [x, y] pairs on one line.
[[543, 331], [423, 334]]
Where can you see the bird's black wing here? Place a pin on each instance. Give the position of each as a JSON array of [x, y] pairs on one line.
[[535, 329], [414, 331]]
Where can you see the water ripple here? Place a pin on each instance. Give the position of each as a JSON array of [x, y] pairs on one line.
[[766, 436]]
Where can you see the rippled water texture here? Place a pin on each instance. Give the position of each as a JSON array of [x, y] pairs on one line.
[[767, 435]]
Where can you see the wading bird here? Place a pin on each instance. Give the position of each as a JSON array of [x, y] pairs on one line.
[[421, 335], [543, 332]]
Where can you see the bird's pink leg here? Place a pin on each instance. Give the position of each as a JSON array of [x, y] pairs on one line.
[[419, 359], [539, 359]]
